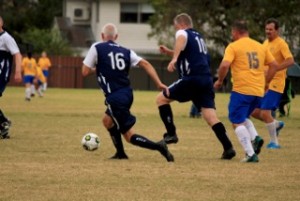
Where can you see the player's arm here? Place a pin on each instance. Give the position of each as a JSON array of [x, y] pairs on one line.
[[164, 50], [273, 68], [179, 46], [286, 63], [152, 73], [89, 62], [222, 73], [18, 63], [87, 70]]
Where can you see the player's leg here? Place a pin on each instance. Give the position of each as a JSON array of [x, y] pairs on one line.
[[142, 141], [210, 116], [28, 80], [270, 102], [115, 137], [45, 84], [239, 110], [166, 115], [177, 91]]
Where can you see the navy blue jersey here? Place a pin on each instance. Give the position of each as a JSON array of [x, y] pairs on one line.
[[6, 60], [113, 64], [194, 59]]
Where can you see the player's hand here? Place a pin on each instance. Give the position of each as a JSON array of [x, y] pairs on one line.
[[18, 77], [164, 88], [171, 66], [218, 84], [163, 49]]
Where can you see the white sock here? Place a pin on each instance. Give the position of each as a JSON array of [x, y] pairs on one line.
[[32, 89], [45, 86], [40, 90], [244, 138], [272, 131], [27, 92], [251, 129]]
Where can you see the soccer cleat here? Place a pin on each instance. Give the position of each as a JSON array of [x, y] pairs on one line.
[[257, 143], [273, 145], [27, 99], [250, 159], [119, 156], [228, 154], [170, 138], [163, 149], [4, 129], [280, 126]]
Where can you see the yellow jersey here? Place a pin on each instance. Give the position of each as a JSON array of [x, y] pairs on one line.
[[280, 50], [44, 63], [29, 66], [40, 75], [248, 58]]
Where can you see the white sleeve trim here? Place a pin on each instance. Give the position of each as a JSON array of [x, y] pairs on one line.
[[91, 57], [134, 58]]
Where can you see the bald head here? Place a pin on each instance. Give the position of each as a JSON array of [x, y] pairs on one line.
[[109, 32], [184, 20]]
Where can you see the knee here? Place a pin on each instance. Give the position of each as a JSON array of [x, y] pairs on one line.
[[210, 116], [128, 135], [107, 122], [161, 99]]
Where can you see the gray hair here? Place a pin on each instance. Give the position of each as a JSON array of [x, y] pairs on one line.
[[110, 30]]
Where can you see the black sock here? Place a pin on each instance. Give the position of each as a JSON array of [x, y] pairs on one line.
[[2, 117], [220, 132], [141, 141], [117, 140], [166, 116]]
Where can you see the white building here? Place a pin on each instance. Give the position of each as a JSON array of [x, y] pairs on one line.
[[83, 20]]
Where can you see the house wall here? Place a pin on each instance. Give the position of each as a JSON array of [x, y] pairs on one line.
[[131, 35]]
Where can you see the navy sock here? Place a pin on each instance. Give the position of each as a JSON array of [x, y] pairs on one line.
[[141, 141], [220, 132], [117, 140], [166, 115]]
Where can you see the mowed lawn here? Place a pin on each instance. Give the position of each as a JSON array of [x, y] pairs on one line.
[[44, 159]]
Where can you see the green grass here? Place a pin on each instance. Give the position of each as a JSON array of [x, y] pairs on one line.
[[44, 159]]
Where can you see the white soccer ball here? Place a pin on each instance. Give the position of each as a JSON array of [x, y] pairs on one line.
[[90, 141]]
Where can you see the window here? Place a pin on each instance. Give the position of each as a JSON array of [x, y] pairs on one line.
[[135, 12]]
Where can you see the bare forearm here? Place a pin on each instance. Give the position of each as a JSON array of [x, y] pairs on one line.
[[286, 63]]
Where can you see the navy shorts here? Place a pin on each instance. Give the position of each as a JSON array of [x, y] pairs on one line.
[[118, 107], [198, 89], [4, 79], [241, 106]]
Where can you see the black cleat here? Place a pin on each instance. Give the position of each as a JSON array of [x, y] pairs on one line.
[[4, 129], [170, 138], [165, 151], [228, 154], [257, 143], [119, 156]]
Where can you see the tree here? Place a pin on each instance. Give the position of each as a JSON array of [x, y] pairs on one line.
[[30, 22], [214, 17]]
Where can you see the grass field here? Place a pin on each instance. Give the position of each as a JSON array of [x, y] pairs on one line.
[[44, 159]]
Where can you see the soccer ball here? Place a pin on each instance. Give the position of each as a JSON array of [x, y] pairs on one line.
[[90, 141]]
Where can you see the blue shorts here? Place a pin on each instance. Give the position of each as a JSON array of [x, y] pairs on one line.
[[118, 107], [28, 79], [271, 100], [241, 106], [198, 89], [46, 73]]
